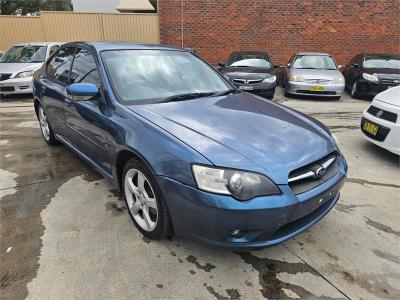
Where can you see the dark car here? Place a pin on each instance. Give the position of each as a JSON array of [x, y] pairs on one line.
[[368, 74], [191, 154], [251, 71]]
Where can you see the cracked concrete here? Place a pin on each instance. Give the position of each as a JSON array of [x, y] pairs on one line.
[[66, 234]]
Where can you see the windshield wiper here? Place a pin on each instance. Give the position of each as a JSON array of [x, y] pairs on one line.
[[227, 92], [183, 97]]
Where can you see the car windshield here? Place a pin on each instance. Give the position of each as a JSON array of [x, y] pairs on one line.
[[380, 62], [150, 76], [24, 54], [314, 62], [249, 60]]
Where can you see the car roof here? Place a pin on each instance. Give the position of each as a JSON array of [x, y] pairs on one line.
[[382, 54], [37, 43], [116, 45], [250, 52], [313, 53]]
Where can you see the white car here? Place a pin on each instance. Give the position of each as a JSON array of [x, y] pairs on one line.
[[380, 122], [18, 64]]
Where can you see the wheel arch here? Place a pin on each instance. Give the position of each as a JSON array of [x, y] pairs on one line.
[[122, 157], [36, 103]]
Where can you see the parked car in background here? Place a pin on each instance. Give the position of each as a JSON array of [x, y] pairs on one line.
[[380, 122], [368, 74], [189, 151], [251, 71], [18, 64], [313, 74]]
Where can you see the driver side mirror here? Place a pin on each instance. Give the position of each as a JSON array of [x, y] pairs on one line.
[[288, 65], [221, 64], [82, 91], [354, 65]]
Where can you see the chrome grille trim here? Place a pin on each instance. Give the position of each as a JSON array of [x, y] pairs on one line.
[[310, 174], [247, 81]]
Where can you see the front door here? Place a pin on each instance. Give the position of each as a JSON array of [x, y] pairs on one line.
[[87, 120]]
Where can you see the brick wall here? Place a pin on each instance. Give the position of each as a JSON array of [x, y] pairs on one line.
[[343, 28]]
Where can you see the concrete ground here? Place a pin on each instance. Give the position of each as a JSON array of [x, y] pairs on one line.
[[65, 234]]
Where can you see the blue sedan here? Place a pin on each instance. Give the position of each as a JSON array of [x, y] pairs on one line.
[[192, 155]]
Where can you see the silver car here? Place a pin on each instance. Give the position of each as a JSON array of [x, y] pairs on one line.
[[18, 64], [313, 74]]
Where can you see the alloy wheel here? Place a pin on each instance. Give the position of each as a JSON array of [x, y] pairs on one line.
[[141, 199], [44, 124], [354, 88]]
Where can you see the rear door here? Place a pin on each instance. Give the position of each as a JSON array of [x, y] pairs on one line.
[[87, 120], [53, 85]]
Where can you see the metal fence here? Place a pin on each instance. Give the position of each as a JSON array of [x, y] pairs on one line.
[[69, 26]]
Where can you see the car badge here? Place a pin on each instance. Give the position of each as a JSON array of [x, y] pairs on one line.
[[320, 172], [379, 113]]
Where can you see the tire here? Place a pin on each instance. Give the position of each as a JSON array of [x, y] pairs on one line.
[[45, 127], [145, 203], [354, 90]]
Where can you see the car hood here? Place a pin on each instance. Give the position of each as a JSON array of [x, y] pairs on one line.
[[383, 73], [12, 68], [316, 73], [247, 72], [243, 131], [391, 96]]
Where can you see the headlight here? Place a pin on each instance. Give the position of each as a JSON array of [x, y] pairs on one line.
[[370, 77], [25, 74], [239, 184], [339, 80], [296, 78], [271, 79]]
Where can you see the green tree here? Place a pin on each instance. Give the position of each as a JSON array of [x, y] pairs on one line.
[[8, 7]]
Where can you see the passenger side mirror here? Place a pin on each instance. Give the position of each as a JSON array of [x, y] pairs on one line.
[[288, 65], [340, 67], [82, 91]]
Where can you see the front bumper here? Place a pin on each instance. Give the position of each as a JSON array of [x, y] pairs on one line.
[[369, 88], [263, 221], [304, 89], [16, 86], [388, 135], [266, 90]]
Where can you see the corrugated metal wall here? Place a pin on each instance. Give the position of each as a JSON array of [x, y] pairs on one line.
[[66, 26], [20, 29]]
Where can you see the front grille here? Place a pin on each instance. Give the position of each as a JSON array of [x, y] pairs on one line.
[[7, 89], [317, 81], [381, 133], [390, 81], [4, 76], [316, 92], [300, 184], [383, 114], [247, 81]]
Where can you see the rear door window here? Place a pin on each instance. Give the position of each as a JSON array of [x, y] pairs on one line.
[[84, 68], [59, 66]]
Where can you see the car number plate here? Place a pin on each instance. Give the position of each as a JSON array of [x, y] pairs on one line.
[[245, 87], [370, 128], [317, 88]]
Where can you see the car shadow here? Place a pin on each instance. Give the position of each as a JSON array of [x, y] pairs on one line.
[[384, 154], [310, 98], [15, 98]]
